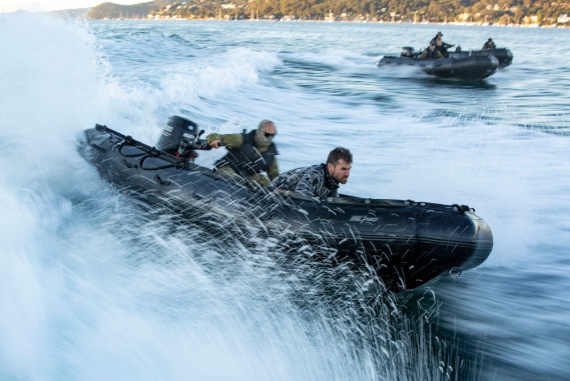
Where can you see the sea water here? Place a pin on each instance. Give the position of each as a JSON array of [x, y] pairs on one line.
[[94, 287]]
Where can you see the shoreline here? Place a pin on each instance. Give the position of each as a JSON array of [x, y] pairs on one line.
[[337, 22]]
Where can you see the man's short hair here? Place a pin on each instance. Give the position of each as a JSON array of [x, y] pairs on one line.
[[339, 153], [264, 123]]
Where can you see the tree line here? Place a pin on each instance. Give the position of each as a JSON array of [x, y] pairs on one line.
[[517, 12]]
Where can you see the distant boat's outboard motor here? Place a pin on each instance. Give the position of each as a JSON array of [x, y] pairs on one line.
[[407, 51], [179, 137]]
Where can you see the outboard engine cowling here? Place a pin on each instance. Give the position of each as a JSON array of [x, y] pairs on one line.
[[407, 51], [176, 130]]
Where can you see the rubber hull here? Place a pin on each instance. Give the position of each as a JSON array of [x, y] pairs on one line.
[[503, 55], [405, 243], [466, 67]]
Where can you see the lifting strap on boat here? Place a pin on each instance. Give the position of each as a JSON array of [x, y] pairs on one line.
[[182, 164], [129, 140], [147, 150], [153, 152], [455, 272], [125, 143]]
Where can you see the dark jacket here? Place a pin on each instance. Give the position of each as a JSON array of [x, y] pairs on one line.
[[313, 181], [246, 159]]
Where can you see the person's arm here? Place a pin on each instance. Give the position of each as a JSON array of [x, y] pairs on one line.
[[232, 140], [273, 170]]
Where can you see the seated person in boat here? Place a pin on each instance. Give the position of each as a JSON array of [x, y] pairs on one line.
[[489, 44], [439, 45], [249, 153], [432, 52], [321, 180], [438, 36], [444, 45]]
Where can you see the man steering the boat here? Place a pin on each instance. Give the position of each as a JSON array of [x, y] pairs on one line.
[[440, 45], [249, 153], [320, 180]]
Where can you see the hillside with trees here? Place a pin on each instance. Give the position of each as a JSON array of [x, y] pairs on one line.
[[114, 11], [505, 12]]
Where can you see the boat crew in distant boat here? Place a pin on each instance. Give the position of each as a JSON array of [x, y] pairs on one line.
[[249, 154], [438, 36], [441, 46], [489, 44], [431, 51]]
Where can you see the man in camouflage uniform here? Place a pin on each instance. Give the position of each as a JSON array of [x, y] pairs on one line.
[[320, 180], [249, 154]]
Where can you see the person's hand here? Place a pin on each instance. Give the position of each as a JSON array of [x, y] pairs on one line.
[[215, 143]]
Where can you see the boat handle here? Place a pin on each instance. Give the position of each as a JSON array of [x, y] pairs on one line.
[[159, 180], [129, 165]]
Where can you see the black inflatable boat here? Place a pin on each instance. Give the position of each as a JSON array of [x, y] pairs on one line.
[[405, 243], [462, 65]]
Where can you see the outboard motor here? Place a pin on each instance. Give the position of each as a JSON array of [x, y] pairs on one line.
[[407, 51], [178, 132]]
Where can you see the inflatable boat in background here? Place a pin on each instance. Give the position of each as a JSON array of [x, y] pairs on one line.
[[462, 66]]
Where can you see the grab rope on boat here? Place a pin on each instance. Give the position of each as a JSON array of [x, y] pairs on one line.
[[462, 208], [455, 272]]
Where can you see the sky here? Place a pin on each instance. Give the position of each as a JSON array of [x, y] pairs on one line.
[[8, 6]]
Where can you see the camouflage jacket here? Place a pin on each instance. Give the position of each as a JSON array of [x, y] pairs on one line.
[[313, 181]]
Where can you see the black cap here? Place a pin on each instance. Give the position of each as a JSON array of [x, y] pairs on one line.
[[438, 33], [490, 39]]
